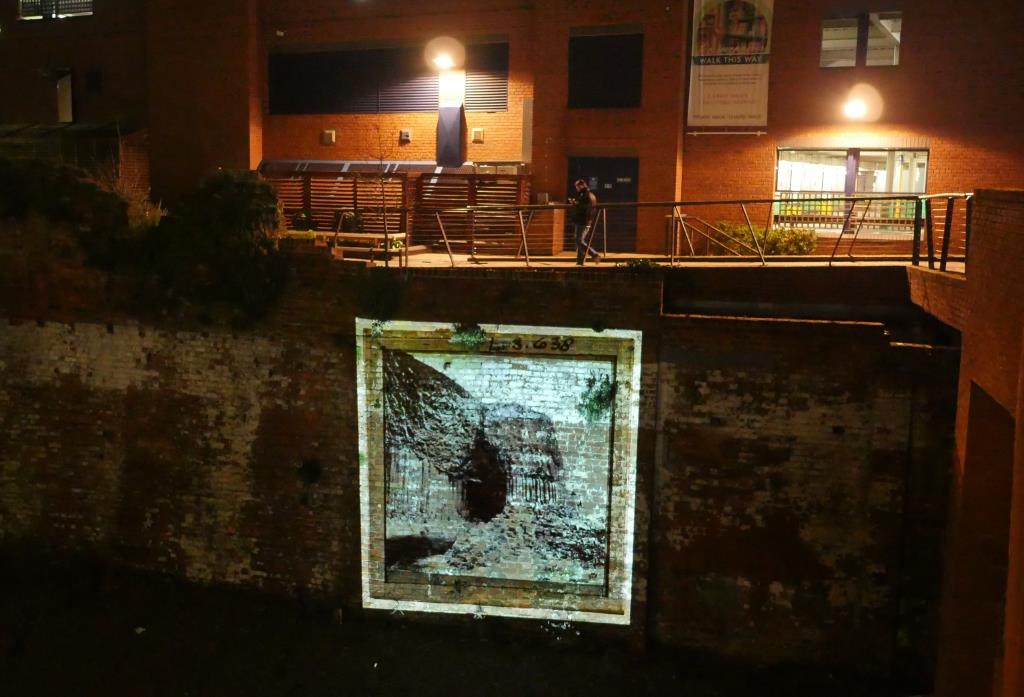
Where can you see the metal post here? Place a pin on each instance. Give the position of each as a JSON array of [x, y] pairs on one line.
[[930, 230], [916, 252], [757, 245], [969, 213], [529, 221], [472, 236], [946, 232], [604, 228], [842, 230], [686, 236], [444, 236], [522, 228], [860, 224], [387, 240]]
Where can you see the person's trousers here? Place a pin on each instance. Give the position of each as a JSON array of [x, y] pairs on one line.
[[581, 244]]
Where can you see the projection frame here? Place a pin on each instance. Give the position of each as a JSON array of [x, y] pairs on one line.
[[418, 570]]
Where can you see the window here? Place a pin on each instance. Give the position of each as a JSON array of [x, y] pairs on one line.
[[53, 9], [605, 71], [867, 39], [487, 77], [852, 172], [358, 81]]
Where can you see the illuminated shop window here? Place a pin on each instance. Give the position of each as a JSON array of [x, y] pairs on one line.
[[852, 171], [54, 9], [871, 39]]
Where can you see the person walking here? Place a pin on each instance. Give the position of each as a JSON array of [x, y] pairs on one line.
[[583, 203]]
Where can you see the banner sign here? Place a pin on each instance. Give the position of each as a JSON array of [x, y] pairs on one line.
[[729, 67]]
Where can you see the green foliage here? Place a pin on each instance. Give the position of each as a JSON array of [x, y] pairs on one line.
[[303, 220], [350, 221], [61, 194], [598, 398], [468, 336], [142, 212], [735, 238], [791, 241], [638, 264], [218, 246]]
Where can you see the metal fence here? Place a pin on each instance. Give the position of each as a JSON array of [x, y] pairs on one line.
[[932, 229], [485, 216]]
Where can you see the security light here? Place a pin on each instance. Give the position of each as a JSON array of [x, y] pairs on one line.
[[443, 61], [855, 109], [445, 53], [863, 103]]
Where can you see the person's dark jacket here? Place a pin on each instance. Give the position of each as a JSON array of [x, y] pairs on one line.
[[583, 203]]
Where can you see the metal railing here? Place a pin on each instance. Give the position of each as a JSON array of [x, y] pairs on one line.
[[935, 228]]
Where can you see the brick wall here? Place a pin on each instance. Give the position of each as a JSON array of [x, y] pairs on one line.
[[775, 457], [375, 136], [109, 44], [957, 96], [202, 108], [983, 608]]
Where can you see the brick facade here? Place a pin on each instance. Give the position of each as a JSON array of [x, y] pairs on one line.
[[195, 74], [789, 473], [983, 607]]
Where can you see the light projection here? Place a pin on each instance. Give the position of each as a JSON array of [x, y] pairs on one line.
[[497, 469]]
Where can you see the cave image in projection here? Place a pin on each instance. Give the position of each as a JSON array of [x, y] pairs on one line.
[[495, 468]]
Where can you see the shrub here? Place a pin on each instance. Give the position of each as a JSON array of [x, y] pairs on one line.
[[468, 336], [638, 265], [61, 194], [598, 398], [219, 246], [730, 238]]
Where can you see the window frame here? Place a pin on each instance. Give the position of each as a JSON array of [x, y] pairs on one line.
[[853, 166], [56, 14], [865, 21]]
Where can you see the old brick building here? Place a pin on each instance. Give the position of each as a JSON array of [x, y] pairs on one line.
[[793, 480], [209, 83]]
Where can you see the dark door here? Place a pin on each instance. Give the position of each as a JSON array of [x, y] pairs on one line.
[[613, 180]]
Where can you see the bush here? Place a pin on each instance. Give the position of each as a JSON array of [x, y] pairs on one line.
[[61, 194], [781, 241], [218, 246]]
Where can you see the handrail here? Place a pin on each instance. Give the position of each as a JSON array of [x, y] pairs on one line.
[[936, 234]]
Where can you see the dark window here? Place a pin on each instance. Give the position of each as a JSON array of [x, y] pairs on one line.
[[351, 82], [605, 72], [487, 77], [49, 9]]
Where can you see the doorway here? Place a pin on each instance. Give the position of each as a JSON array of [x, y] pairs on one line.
[[613, 180]]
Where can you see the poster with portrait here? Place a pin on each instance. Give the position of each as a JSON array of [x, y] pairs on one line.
[[729, 64]]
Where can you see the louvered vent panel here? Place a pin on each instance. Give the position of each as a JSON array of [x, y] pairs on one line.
[[487, 78]]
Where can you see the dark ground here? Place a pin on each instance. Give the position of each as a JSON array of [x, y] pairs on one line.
[[71, 626]]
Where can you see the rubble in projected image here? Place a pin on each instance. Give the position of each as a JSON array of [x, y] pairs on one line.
[[497, 467]]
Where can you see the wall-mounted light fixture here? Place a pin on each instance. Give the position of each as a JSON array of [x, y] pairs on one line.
[[448, 56], [855, 109], [863, 103], [445, 53]]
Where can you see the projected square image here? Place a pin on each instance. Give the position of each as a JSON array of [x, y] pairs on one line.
[[498, 469]]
